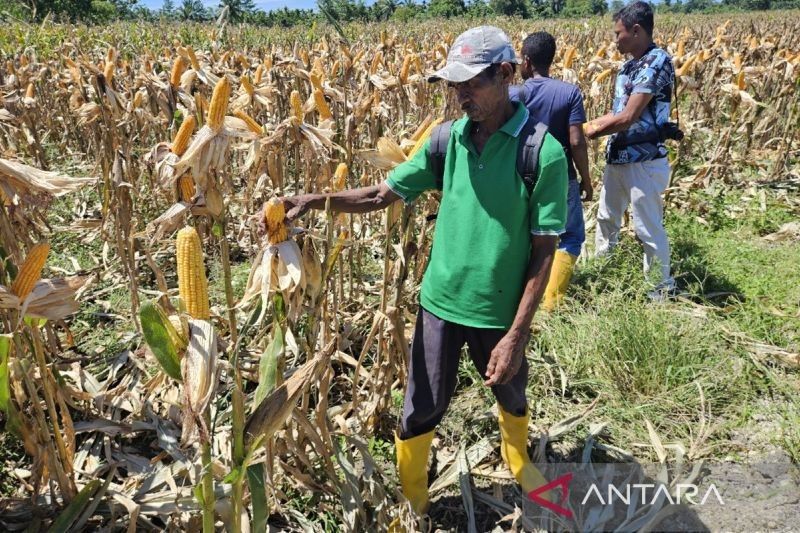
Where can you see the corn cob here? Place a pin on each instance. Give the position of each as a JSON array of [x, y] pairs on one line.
[[340, 177], [335, 69], [322, 105], [254, 126], [259, 74], [177, 71], [186, 188], [569, 57], [274, 220], [376, 61], [192, 58], [30, 92], [684, 69], [219, 104], [681, 48], [740, 81], [181, 141], [404, 69], [138, 98], [192, 283], [423, 137], [316, 79], [30, 271], [297, 106], [247, 86], [603, 75], [737, 62], [108, 71]]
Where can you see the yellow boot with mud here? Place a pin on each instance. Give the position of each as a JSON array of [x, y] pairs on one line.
[[514, 450], [412, 469], [560, 274]]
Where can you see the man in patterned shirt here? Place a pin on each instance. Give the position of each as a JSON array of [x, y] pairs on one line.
[[637, 170]]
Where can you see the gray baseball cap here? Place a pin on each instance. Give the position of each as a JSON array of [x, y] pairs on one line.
[[473, 51]]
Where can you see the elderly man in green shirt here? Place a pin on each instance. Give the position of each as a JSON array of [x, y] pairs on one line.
[[490, 260]]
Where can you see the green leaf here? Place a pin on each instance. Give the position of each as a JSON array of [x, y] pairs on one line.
[[268, 367], [157, 337], [258, 497], [5, 391], [233, 476], [217, 230], [71, 513]]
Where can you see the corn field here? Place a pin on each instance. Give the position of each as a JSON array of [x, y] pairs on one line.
[[162, 150]]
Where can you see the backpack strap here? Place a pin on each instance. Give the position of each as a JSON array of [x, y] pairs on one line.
[[531, 140], [440, 137]]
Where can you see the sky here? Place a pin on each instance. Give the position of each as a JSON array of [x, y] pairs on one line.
[[266, 5]]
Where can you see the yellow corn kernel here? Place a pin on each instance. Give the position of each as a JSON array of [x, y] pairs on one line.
[[181, 141], [177, 71], [219, 104], [297, 105], [322, 105], [254, 126], [31, 270], [192, 282], [275, 221], [186, 188], [259, 74], [681, 48]]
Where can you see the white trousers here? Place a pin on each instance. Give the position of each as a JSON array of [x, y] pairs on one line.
[[639, 185]]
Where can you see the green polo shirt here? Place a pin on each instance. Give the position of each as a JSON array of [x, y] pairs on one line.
[[481, 246]]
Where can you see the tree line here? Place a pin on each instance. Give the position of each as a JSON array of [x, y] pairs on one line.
[[342, 11]]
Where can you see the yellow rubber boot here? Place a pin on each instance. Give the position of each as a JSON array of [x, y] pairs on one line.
[[412, 468], [514, 450], [560, 274]]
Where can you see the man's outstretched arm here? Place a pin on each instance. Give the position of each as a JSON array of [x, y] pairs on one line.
[[361, 200]]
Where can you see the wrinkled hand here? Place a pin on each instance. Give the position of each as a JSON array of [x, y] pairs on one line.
[[506, 358], [587, 190], [296, 206]]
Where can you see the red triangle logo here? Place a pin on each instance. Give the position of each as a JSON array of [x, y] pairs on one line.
[[563, 482]]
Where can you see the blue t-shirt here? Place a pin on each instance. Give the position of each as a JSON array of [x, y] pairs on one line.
[[555, 103], [653, 73]]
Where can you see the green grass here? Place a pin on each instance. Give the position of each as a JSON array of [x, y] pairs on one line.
[[651, 362]]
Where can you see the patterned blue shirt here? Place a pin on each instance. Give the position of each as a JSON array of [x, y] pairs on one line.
[[653, 73]]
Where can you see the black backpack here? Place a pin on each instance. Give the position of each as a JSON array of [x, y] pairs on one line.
[[527, 152]]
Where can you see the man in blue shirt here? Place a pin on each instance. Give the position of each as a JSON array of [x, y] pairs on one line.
[[637, 170], [559, 105]]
